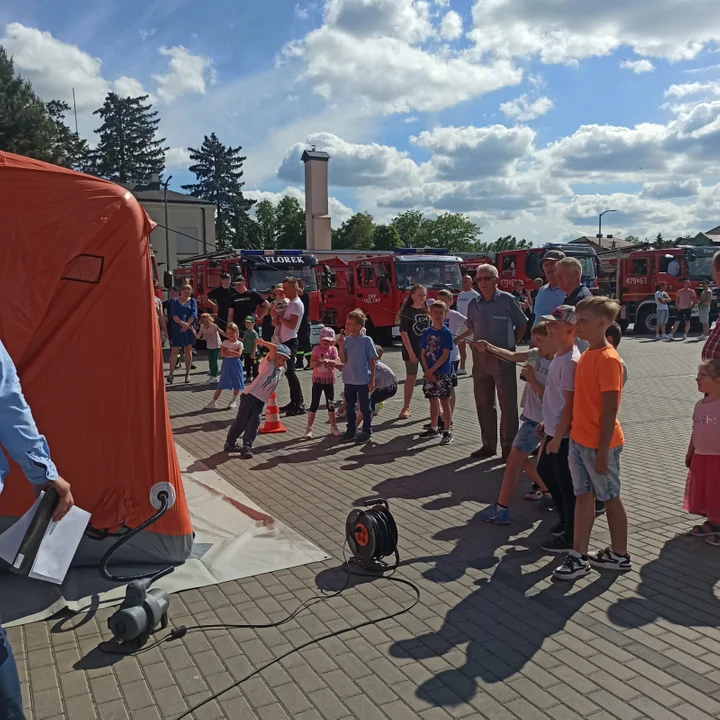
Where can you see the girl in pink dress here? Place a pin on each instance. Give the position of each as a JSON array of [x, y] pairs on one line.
[[702, 491], [324, 361]]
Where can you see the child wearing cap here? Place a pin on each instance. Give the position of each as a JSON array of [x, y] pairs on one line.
[[324, 361], [253, 399], [596, 441], [557, 415], [249, 348]]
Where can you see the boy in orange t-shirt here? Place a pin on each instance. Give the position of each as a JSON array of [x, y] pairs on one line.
[[596, 441]]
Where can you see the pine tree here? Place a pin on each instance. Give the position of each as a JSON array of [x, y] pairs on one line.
[[128, 147], [25, 126], [68, 148], [218, 169]]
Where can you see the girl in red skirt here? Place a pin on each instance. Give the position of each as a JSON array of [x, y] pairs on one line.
[[702, 491]]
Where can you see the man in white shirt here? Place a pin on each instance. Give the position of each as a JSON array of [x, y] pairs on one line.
[[464, 298], [288, 323], [674, 268]]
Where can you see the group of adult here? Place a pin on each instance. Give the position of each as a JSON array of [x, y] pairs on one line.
[[501, 318], [233, 302]]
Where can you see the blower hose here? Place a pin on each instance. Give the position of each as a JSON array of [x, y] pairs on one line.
[[164, 499]]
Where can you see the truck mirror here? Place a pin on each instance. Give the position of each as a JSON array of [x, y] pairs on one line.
[[384, 285], [691, 256], [235, 269], [168, 280]]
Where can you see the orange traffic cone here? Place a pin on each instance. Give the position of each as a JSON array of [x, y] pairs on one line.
[[272, 417]]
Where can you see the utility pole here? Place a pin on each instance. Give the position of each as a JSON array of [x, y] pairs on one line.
[[75, 110], [167, 232]]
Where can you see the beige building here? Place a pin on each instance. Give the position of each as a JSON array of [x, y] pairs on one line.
[[191, 223], [317, 214]]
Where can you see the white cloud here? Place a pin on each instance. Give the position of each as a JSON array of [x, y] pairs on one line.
[[523, 109], [451, 27], [55, 67], [302, 12], [707, 68], [338, 212], [129, 87], [353, 164], [188, 74], [467, 153], [410, 120], [668, 190], [177, 157], [683, 90], [566, 31], [637, 66]]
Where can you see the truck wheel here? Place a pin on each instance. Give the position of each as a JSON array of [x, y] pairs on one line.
[[646, 322]]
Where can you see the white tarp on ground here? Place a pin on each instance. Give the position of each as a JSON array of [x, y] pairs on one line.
[[234, 538]]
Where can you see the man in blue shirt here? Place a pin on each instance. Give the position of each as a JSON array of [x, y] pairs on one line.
[[550, 295], [27, 447]]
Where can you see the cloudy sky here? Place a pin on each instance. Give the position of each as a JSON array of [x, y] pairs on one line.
[[531, 116]]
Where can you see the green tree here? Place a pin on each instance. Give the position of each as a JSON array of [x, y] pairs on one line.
[[453, 231], [266, 219], [218, 169], [386, 237], [68, 148], [129, 148], [356, 233], [661, 242], [509, 242], [407, 225], [632, 239], [291, 229]]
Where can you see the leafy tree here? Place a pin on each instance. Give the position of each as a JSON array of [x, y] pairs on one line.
[[509, 242], [660, 242], [291, 229], [266, 219], [407, 225], [129, 148], [386, 237], [68, 148], [26, 126], [218, 169], [453, 231], [632, 239], [356, 233]]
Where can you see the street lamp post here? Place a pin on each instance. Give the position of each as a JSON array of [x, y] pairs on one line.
[[600, 217], [167, 232]]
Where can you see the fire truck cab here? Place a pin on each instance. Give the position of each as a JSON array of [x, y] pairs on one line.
[[263, 269], [639, 273], [379, 286]]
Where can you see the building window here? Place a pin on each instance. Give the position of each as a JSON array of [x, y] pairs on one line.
[[187, 243]]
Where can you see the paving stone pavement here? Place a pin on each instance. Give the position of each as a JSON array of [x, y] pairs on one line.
[[492, 636]]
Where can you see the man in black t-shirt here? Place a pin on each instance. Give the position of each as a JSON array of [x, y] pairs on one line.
[[246, 302], [222, 299]]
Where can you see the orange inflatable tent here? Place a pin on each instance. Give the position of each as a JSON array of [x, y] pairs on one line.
[[77, 316]]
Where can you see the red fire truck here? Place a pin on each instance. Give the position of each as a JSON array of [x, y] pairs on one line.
[[526, 264], [631, 276], [379, 285], [263, 269]]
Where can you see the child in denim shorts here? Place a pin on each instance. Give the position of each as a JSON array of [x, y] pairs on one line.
[[596, 441], [527, 440]]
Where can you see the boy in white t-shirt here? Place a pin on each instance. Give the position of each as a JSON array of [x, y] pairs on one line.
[[464, 298], [662, 312], [254, 397]]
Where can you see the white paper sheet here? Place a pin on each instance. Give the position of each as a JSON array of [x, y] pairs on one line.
[[57, 547]]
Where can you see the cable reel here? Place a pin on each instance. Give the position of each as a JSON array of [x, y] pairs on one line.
[[372, 535]]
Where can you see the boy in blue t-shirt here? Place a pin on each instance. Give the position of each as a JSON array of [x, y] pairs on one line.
[[436, 344], [358, 356]]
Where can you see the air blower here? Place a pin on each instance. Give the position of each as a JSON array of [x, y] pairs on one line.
[[372, 535], [138, 616]]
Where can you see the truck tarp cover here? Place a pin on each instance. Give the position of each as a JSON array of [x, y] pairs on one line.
[[77, 316]]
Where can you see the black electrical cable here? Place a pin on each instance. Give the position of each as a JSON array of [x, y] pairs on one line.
[[182, 630], [164, 499]]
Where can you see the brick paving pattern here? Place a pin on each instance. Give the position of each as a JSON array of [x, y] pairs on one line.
[[492, 637]]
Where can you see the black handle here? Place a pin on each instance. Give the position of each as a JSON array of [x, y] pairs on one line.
[[375, 501]]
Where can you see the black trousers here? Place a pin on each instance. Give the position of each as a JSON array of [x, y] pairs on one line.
[[296, 395], [251, 366], [554, 471]]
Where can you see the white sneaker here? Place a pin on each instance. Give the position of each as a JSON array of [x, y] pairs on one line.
[[702, 338], [232, 405], [335, 432], [212, 405], [684, 336], [657, 337], [462, 371], [666, 338], [308, 434], [214, 379]]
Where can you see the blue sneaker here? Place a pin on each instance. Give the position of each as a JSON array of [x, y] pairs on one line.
[[495, 514]]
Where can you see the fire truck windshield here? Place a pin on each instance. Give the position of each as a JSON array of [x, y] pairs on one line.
[[700, 268], [588, 267], [263, 279], [433, 274]]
